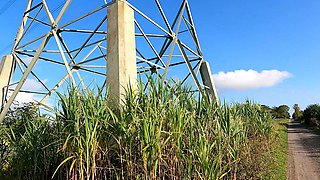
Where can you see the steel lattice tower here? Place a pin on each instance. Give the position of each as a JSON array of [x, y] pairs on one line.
[[58, 44]]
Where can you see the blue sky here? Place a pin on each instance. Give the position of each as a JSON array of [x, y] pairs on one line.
[[264, 35], [245, 40]]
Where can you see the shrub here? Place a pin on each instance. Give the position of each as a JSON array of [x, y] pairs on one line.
[[311, 115], [30, 151]]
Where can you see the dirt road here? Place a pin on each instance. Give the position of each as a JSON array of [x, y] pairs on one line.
[[304, 153]]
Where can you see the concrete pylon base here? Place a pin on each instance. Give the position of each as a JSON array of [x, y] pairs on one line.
[[6, 71], [207, 80], [121, 50]]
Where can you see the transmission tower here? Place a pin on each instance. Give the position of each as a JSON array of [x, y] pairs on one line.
[[101, 43]]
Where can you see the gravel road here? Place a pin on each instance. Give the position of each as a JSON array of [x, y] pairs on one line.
[[304, 153]]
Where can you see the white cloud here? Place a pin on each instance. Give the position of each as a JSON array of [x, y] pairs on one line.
[[249, 79], [32, 85], [29, 85], [24, 98]]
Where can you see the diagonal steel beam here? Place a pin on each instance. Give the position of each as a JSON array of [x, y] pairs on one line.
[[175, 39], [149, 43], [54, 32], [91, 35], [148, 18], [30, 24], [193, 29], [63, 10], [31, 72], [194, 76], [25, 76], [22, 25], [72, 60], [164, 16]]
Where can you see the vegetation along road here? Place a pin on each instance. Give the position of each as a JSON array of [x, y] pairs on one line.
[[304, 153]]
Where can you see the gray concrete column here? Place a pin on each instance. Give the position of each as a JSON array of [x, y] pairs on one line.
[[121, 50], [6, 71], [207, 80]]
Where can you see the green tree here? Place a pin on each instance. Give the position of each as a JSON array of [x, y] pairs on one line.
[[281, 111], [277, 112], [266, 108], [297, 112]]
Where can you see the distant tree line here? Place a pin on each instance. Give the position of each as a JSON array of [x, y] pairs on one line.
[[309, 116], [278, 112]]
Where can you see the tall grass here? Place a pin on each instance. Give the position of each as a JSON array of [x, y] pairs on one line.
[[162, 132]]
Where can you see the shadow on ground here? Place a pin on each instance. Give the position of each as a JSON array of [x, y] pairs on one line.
[[309, 141]]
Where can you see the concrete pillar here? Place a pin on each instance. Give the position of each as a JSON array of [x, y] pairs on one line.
[[207, 80], [121, 50], [6, 71]]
